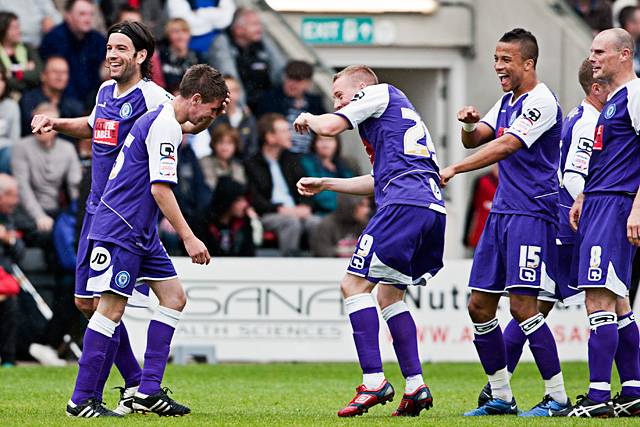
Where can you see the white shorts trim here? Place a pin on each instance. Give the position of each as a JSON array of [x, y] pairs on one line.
[[155, 279]]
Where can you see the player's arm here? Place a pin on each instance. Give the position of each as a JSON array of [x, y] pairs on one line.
[[576, 211], [359, 185], [474, 133], [493, 152], [166, 200], [323, 124], [76, 128], [633, 222]]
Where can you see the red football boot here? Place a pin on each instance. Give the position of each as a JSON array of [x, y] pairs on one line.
[[366, 399], [412, 404]]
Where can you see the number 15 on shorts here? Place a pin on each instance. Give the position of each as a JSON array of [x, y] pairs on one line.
[[529, 262]]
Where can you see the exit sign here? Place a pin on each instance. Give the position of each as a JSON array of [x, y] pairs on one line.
[[323, 30]]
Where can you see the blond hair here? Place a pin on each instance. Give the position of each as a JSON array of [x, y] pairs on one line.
[[358, 72]]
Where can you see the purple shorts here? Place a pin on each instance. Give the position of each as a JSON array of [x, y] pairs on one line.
[[115, 269], [605, 253], [515, 251], [566, 274], [400, 244], [82, 259]]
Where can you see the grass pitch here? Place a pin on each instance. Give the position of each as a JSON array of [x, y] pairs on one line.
[[283, 395]]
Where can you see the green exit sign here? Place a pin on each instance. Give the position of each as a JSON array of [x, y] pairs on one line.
[[358, 30]]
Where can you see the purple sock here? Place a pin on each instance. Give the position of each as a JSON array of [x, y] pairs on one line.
[[628, 355], [405, 340], [126, 361], [490, 346], [514, 340], [108, 363], [366, 329], [159, 335], [603, 342], [95, 346], [542, 345]]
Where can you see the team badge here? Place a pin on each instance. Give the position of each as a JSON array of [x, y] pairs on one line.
[[610, 111], [122, 279], [126, 110]]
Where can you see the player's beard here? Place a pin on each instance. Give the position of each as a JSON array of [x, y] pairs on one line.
[[128, 72]]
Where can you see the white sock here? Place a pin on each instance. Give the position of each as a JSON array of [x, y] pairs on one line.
[[359, 302], [554, 387], [500, 387], [412, 383], [102, 324], [372, 381]]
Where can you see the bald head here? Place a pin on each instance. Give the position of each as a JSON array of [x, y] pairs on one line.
[[8, 194], [612, 56], [620, 38]]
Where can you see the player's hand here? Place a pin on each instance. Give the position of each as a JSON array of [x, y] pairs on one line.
[[44, 223], [446, 174], [197, 250], [310, 186], [41, 124], [633, 226], [469, 114], [300, 124], [575, 212]]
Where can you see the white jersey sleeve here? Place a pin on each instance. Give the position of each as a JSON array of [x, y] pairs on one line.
[[581, 147], [162, 142], [633, 103], [371, 101], [491, 118], [92, 117], [154, 95], [539, 114]]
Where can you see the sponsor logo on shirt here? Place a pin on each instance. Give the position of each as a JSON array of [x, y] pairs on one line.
[[610, 111], [597, 143], [126, 110], [357, 96], [168, 164], [106, 132]]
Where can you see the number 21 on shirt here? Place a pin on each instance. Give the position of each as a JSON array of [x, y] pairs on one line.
[[415, 134]]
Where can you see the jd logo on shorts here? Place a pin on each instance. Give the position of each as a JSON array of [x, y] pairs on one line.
[[122, 279], [100, 259]]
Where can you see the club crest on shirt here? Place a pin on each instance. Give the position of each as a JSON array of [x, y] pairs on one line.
[[126, 110], [610, 111]]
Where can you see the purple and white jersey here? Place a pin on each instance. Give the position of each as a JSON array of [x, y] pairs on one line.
[[528, 183], [128, 214], [576, 147], [405, 168], [111, 120], [615, 162]]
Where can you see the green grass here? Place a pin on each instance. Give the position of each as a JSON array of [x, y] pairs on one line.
[[281, 395]]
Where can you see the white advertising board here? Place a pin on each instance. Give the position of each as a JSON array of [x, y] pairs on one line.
[[290, 309]]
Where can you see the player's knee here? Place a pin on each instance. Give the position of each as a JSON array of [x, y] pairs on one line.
[[176, 301], [599, 299], [478, 312], [86, 306], [623, 306], [352, 285], [522, 309], [388, 295]]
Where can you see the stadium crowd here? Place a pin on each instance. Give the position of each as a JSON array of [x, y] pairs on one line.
[[238, 178]]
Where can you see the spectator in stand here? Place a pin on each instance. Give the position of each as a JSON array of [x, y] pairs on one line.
[[20, 62], [9, 118], [153, 13], [48, 172], [324, 160], [175, 55], [338, 232], [222, 162], [206, 19], [45, 166], [240, 118], [83, 47], [596, 13], [53, 82], [130, 13], [293, 98], [233, 227], [629, 18], [11, 250], [272, 175], [484, 189], [37, 17], [247, 54]]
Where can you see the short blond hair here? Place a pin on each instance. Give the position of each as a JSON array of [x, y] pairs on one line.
[[358, 72]]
